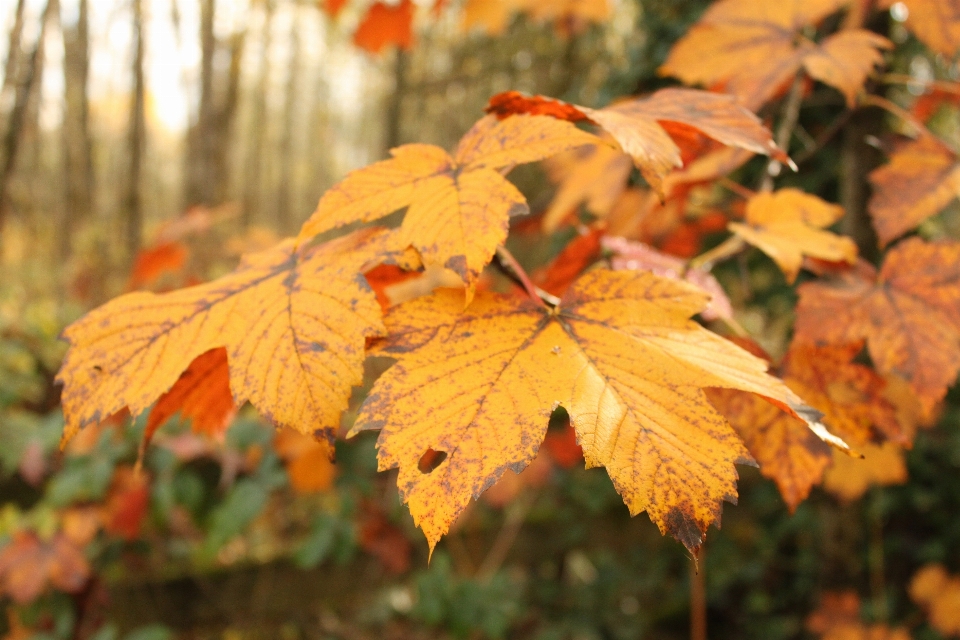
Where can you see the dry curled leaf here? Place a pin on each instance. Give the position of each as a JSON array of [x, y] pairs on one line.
[[648, 129], [755, 47], [620, 354], [293, 323], [788, 225], [921, 179], [909, 314], [459, 206]]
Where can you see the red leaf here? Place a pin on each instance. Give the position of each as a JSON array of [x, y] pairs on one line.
[[385, 25]]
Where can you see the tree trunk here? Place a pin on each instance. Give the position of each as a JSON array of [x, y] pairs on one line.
[[27, 92], [253, 169], [13, 50], [199, 179], [77, 146], [285, 220], [137, 139]]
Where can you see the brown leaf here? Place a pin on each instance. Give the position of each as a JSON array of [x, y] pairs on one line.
[[308, 461], [921, 179], [384, 25], [787, 225], [785, 449], [909, 314], [293, 322], [620, 354], [845, 59], [127, 503], [755, 47], [459, 206]]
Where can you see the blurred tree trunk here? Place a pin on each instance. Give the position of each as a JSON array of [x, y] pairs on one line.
[[13, 50], [394, 128], [77, 146], [136, 140], [207, 169], [25, 104], [285, 220], [253, 169]]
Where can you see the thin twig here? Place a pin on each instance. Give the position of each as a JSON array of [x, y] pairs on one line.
[[902, 78], [824, 136], [726, 249], [736, 188], [512, 523], [698, 597], [513, 268], [897, 110], [788, 120]]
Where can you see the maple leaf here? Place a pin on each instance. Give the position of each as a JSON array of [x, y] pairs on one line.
[[458, 207], [619, 353], [787, 224], [939, 593], [646, 128], [127, 503], [636, 255], [785, 449], [849, 395], [28, 565], [152, 263], [909, 314], [594, 176], [881, 465], [579, 253], [385, 24], [492, 16], [293, 323], [921, 179], [755, 47], [935, 22]]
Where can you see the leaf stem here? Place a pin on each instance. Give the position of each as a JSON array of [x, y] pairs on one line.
[[736, 188], [726, 249], [903, 78], [513, 521], [788, 120], [897, 110], [513, 268]]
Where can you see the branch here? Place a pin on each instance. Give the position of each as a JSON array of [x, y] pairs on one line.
[[788, 120], [726, 249], [512, 523], [902, 78], [510, 265], [897, 110]]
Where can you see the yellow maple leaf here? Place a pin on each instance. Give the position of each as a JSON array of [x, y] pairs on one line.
[[458, 206], [620, 353], [788, 224], [293, 323]]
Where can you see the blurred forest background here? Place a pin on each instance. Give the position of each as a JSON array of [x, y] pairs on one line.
[[148, 144]]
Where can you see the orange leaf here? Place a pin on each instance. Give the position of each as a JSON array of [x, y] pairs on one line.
[[935, 22], [850, 395], [459, 206], [838, 618], [620, 354], [563, 447], [785, 449], [909, 314], [383, 540], [579, 253], [293, 322], [755, 47], [333, 7], [151, 263], [127, 503], [308, 461], [921, 179], [643, 127], [594, 176], [28, 565], [385, 275], [939, 593], [787, 225], [201, 394], [384, 25], [850, 477], [492, 16]]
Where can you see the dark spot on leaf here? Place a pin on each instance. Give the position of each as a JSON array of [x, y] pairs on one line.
[[518, 209], [98, 368], [457, 264], [430, 460], [684, 528]]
